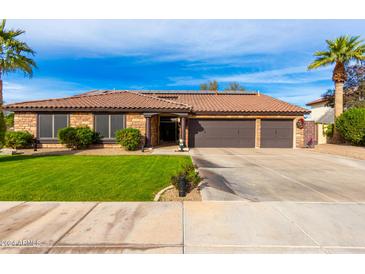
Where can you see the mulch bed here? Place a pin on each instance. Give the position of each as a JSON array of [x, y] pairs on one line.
[[173, 195]]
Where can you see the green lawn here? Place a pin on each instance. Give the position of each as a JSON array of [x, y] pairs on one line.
[[86, 178]]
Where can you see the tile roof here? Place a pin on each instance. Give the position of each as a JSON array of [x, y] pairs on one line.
[[319, 100], [236, 103], [118, 100], [182, 101]]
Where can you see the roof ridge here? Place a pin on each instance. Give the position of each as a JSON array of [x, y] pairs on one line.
[[157, 98]]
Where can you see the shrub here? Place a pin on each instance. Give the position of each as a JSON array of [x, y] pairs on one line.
[[9, 120], [67, 136], [84, 137], [351, 125], [129, 138], [190, 175], [77, 138], [328, 130], [18, 139], [2, 128]]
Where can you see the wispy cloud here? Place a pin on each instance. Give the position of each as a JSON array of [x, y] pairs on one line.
[[26, 89], [167, 40], [289, 75], [266, 55]]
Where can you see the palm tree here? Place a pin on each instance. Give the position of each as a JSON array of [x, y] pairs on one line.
[[14, 55], [340, 52]]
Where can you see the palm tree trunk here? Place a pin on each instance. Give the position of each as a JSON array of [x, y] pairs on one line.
[[338, 98]]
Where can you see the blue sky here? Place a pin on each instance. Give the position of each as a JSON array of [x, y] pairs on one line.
[[271, 56]]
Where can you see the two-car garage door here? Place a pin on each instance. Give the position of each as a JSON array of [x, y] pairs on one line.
[[221, 133], [239, 133]]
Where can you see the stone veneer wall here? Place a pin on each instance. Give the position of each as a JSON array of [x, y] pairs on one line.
[[154, 130], [26, 121], [258, 133], [299, 134], [138, 121], [82, 119]]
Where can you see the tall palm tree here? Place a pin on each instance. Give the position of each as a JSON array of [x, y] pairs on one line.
[[14, 55], [340, 52]]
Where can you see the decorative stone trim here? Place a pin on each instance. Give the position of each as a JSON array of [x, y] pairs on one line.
[[258, 134]]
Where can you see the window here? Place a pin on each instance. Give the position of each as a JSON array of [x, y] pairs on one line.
[[49, 124], [108, 124]]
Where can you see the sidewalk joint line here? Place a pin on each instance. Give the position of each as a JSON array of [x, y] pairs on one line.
[[72, 227]]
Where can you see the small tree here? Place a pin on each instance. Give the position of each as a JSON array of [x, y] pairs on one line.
[[211, 85], [235, 86]]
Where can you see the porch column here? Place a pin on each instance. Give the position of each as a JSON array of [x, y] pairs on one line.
[[183, 129], [148, 129]]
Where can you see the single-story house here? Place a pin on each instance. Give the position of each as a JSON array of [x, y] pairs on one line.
[[199, 118], [322, 115]]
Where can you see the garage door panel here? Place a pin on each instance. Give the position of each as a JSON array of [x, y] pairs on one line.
[[221, 133], [276, 133]]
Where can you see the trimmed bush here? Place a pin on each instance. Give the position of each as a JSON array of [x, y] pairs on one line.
[[129, 138], [77, 138], [67, 136], [84, 136], [18, 139], [190, 175], [351, 125]]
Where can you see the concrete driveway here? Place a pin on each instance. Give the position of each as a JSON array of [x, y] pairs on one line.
[[299, 175]]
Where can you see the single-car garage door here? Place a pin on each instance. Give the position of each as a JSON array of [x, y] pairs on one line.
[[221, 133], [277, 133]]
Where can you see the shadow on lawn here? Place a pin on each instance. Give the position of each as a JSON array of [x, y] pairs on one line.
[[21, 157]]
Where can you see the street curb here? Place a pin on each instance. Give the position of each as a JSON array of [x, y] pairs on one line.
[[158, 195]]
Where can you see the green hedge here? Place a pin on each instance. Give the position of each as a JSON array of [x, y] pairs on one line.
[[351, 125], [18, 139], [129, 138], [78, 137]]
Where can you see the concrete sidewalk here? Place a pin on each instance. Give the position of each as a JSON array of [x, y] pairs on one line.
[[189, 227]]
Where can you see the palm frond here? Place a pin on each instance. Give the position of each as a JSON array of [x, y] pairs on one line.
[[15, 54]]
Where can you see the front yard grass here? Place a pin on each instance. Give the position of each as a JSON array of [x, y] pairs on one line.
[[86, 178]]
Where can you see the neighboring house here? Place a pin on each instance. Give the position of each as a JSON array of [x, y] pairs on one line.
[[200, 118], [322, 115]]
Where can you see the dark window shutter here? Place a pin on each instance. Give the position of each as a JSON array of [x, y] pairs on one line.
[[116, 123], [102, 124], [45, 126], [60, 121]]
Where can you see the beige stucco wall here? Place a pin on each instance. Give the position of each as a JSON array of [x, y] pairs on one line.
[[321, 138]]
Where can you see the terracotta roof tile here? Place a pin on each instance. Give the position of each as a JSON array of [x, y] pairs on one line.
[[119, 100], [198, 102], [319, 100]]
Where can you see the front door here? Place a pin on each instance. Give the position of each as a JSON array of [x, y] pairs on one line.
[[169, 130]]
